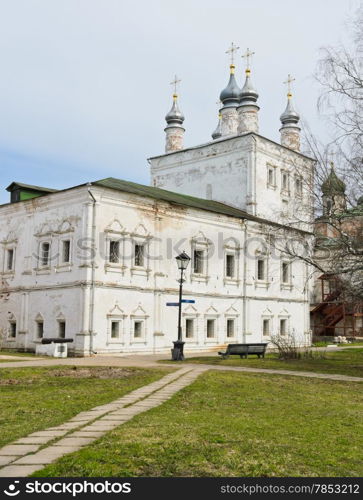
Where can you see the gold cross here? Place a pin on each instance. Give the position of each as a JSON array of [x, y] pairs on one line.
[[248, 55], [233, 48], [175, 82], [288, 82], [331, 155]]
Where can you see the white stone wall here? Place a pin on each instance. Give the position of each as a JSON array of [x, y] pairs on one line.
[[237, 169], [31, 291], [92, 292]]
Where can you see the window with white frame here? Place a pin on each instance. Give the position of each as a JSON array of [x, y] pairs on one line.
[[115, 329], [44, 254], [283, 326], [230, 266], [211, 323], [198, 261], [271, 176], [285, 273], [114, 251], [39, 324], [285, 182], [298, 186], [266, 327], [10, 259], [66, 251], [261, 269], [139, 257], [138, 329], [61, 329], [189, 328], [230, 327]]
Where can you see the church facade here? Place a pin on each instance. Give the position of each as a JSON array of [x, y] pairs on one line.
[[96, 262]]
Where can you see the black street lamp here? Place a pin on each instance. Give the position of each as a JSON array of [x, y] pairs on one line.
[[177, 353]]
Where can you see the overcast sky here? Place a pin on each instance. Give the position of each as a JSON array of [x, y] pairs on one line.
[[84, 84]]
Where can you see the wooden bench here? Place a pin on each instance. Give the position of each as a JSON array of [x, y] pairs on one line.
[[243, 350]]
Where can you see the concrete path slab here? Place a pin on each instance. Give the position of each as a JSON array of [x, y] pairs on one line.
[[18, 470], [18, 449], [34, 440], [7, 459], [74, 441]]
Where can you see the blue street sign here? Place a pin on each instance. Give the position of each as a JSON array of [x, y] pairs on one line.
[[184, 301]]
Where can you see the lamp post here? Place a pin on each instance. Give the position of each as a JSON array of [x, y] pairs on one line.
[[177, 352]]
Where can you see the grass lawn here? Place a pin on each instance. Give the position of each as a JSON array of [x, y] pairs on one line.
[[234, 424], [346, 362], [32, 399]]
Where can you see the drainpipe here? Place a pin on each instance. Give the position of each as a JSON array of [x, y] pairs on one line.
[[244, 301], [254, 202], [92, 291]]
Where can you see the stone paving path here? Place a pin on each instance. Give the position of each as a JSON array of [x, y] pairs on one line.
[[31, 453]]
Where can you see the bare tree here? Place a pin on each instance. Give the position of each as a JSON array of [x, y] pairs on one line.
[[337, 250]]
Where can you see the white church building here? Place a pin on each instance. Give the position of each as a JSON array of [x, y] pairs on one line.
[[96, 262]]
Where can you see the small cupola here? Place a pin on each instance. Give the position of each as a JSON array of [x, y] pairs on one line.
[[290, 130]]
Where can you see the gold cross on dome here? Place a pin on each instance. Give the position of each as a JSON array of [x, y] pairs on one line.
[[331, 156], [175, 82], [248, 55], [288, 82], [233, 48]]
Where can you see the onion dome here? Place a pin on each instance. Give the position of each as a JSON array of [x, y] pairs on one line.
[[332, 184], [230, 95], [290, 118], [248, 94], [218, 131], [175, 117]]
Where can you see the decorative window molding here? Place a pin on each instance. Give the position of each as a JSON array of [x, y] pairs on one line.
[[64, 227], [115, 235], [44, 256], [61, 326], [9, 254], [199, 266], [190, 314], [231, 314], [38, 328], [261, 270], [116, 325], [231, 262], [267, 324], [44, 230], [271, 176], [140, 251], [286, 275], [10, 239], [284, 322], [211, 325], [139, 326], [285, 183], [12, 329], [298, 188], [65, 254]]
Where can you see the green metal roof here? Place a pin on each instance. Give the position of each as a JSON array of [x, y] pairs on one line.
[[15, 185], [183, 199], [171, 197], [167, 196]]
